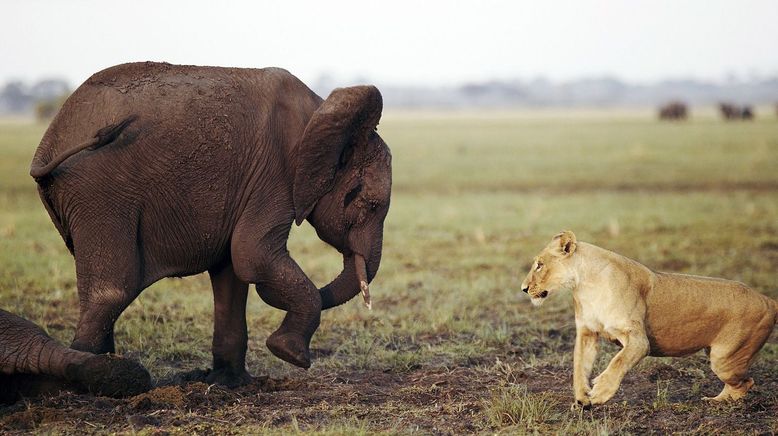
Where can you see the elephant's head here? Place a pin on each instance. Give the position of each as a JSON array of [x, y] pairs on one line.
[[342, 186]]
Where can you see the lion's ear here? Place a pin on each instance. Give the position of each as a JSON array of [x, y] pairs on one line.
[[567, 243]]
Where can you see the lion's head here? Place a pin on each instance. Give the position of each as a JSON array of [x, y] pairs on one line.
[[551, 270]]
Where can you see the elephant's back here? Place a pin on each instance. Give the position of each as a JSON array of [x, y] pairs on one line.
[[189, 101]]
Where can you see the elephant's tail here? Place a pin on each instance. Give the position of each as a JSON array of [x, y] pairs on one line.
[[104, 136]]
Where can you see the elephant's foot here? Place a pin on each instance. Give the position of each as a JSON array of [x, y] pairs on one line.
[[228, 377], [290, 347], [98, 346], [110, 375]]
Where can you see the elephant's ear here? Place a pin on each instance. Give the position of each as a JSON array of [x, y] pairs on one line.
[[344, 120]]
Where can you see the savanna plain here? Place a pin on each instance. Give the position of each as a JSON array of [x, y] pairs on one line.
[[451, 346]]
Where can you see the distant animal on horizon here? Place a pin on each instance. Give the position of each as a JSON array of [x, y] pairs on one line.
[[153, 170], [32, 363], [734, 112], [674, 110], [650, 313], [747, 113]]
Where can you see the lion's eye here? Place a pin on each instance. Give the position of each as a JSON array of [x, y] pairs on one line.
[[539, 267]]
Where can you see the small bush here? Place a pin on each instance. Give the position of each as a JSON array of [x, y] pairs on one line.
[[45, 110]]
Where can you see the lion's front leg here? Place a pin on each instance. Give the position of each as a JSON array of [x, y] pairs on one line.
[[583, 358], [635, 347]]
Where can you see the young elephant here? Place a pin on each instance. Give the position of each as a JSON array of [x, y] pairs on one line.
[[31, 362], [193, 169], [650, 313]]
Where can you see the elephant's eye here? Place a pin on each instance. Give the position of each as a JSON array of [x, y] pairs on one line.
[[351, 195]]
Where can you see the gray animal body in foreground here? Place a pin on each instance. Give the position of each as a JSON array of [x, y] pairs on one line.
[[31, 363], [152, 170]]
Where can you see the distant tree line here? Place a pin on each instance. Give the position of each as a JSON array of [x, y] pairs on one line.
[[586, 92], [42, 99]]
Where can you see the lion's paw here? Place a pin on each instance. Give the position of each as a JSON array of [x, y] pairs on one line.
[[602, 392], [581, 404]]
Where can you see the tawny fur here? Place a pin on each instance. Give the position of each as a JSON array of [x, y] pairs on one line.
[[650, 313]]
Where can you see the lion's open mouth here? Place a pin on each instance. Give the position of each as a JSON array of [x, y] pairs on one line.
[[543, 294]]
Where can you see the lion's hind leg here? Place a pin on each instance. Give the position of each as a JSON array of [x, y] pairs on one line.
[[731, 366], [733, 392], [731, 355]]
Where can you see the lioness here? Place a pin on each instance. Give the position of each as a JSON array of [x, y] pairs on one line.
[[650, 313]]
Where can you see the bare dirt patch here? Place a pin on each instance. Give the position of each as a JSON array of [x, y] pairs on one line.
[[657, 398]]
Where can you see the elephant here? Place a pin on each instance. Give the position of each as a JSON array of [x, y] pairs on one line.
[[153, 170], [674, 110], [729, 111], [747, 113], [734, 112], [31, 363]]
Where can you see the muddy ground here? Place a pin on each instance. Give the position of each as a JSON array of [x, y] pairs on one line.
[[655, 398]]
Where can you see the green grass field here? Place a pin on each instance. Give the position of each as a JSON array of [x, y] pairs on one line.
[[452, 345]]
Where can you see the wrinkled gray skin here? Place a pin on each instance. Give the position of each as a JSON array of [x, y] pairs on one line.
[[155, 170], [31, 363]]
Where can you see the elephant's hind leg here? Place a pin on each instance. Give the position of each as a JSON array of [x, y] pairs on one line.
[[101, 303], [229, 328], [108, 279]]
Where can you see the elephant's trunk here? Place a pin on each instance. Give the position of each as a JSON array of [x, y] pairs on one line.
[[357, 274], [27, 349], [343, 288]]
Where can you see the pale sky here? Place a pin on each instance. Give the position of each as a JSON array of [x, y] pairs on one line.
[[399, 41]]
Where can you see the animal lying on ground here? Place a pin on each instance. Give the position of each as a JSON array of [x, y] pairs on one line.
[[650, 313], [152, 170], [33, 363]]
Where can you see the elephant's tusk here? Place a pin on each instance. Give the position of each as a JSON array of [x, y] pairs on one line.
[[366, 295], [359, 262]]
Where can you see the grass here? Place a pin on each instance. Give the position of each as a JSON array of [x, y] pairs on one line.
[[515, 406], [452, 345]]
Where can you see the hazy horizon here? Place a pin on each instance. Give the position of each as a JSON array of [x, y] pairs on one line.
[[429, 43]]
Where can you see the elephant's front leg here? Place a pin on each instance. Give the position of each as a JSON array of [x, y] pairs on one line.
[[286, 287], [230, 336], [282, 284]]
